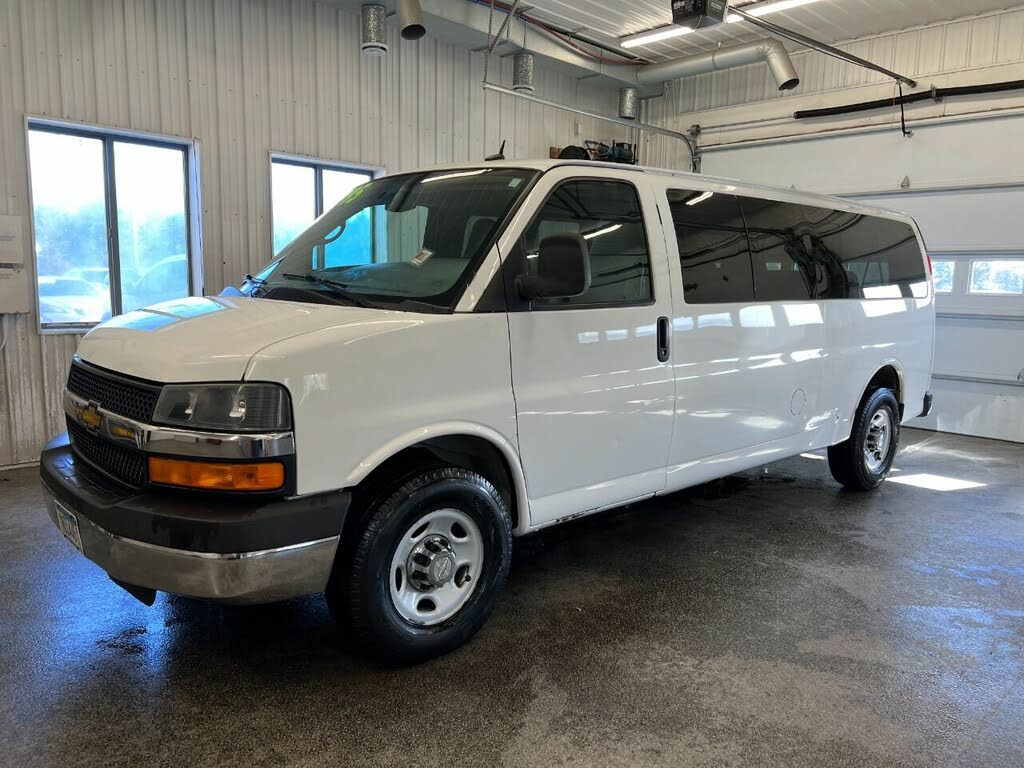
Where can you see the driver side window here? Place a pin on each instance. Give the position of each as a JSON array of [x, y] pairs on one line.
[[609, 216]]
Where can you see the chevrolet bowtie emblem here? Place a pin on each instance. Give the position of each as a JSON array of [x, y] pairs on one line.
[[90, 415]]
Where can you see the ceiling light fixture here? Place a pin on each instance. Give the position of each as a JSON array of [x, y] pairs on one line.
[[764, 9], [671, 30], [654, 36]]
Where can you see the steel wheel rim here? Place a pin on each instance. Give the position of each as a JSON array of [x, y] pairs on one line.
[[429, 606], [878, 441]]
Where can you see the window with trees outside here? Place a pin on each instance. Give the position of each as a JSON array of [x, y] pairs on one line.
[[997, 277], [302, 190], [111, 222]]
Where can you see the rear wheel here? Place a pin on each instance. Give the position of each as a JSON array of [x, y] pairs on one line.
[[428, 565], [863, 462]]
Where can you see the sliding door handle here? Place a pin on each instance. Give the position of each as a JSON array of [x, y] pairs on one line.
[[664, 340]]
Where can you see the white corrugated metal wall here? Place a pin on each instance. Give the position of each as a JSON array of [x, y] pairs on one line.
[[243, 78]]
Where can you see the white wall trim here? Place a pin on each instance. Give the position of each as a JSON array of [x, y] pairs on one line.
[[992, 114]]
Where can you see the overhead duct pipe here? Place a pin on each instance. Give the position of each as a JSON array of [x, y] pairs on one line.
[[769, 51], [410, 19], [629, 103], [522, 73], [373, 34]]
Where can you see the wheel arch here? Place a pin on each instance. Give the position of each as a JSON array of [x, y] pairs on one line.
[[888, 374], [462, 444]]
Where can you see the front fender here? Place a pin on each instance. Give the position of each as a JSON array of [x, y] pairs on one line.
[[451, 429]]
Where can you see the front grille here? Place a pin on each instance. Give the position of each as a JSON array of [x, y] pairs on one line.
[[125, 465], [124, 397]]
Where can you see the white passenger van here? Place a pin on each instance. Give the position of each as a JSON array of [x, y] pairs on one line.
[[451, 358]]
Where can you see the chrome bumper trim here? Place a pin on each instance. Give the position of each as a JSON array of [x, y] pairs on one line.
[[179, 442], [240, 578]]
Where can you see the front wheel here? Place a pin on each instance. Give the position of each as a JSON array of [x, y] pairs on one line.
[[863, 462], [427, 568]]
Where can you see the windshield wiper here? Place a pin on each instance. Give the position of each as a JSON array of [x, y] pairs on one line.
[[336, 288]]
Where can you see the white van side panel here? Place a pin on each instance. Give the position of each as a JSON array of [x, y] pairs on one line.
[[741, 369], [866, 336], [748, 375], [358, 400]]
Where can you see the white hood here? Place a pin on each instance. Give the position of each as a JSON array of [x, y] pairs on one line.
[[205, 339]]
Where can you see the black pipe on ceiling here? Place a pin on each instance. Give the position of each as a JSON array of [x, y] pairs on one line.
[[935, 94]]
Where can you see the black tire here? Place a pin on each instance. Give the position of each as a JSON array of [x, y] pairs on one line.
[[359, 592], [847, 460]]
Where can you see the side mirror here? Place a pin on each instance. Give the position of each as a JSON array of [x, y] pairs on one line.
[[563, 269]]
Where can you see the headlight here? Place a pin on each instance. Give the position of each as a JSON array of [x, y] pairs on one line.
[[225, 407]]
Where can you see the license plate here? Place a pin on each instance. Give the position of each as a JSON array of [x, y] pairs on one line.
[[68, 524]]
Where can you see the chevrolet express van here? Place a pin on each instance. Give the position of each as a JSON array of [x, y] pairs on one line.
[[451, 358]]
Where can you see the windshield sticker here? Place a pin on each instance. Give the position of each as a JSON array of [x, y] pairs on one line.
[[422, 257], [514, 183]]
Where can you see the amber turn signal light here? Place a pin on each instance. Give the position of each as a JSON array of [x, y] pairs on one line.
[[265, 476]]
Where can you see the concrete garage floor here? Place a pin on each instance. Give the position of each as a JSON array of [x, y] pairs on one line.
[[766, 620]]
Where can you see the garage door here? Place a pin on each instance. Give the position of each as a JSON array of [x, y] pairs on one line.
[[976, 240]]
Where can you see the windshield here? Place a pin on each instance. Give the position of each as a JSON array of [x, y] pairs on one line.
[[406, 242]]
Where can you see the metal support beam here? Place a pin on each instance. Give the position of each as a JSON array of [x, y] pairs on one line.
[[821, 47]]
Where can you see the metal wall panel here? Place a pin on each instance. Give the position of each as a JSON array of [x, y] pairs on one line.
[[984, 43], [974, 43], [243, 78]]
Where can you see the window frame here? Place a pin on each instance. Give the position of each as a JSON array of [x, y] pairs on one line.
[[109, 136], [318, 166], [741, 195], [670, 229], [990, 259], [956, 275], [517, 303], [961, 302]]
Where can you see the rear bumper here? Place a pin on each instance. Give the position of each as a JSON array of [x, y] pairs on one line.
[[217, 548]]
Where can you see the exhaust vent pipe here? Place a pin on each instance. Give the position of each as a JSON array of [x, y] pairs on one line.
[[770, 51], [629, 103], [522, 73], [410, 19], [373, 35]]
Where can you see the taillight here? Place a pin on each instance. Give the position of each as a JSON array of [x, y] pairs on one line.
[[930, 270]]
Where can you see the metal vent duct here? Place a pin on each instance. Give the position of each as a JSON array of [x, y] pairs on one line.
[[629, 103], [522, 73], [373, 34], [410, 19], [772, 52]]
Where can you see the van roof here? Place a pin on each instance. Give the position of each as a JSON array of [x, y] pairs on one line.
[[740, 186]]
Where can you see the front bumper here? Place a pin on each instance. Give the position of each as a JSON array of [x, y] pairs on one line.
[[225, 549]]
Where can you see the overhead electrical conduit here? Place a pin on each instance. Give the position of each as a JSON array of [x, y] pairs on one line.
[[563, 46], [936, 94], [643, 76]]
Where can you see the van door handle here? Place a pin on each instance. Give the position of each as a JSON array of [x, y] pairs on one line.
[[664, 340]]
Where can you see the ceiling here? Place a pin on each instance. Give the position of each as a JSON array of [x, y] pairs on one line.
[[831, 21]]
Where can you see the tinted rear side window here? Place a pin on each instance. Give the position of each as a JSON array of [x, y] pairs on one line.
[[881, 258], [802, 252], [785, 250], [608, 215], [712, 248]]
